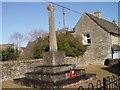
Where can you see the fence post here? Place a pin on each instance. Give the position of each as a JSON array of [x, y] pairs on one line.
[[104, 84], [118, 82]]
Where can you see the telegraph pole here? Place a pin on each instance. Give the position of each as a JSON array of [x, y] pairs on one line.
[[64, 20]]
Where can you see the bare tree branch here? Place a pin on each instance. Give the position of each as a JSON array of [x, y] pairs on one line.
[[34, 34], [16, 39]]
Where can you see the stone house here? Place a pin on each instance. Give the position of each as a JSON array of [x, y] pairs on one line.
[[101, 36], [5, 46]]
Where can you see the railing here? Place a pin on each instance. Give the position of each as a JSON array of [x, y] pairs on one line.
[[108, 83]]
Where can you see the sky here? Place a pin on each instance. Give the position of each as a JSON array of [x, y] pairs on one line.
[[24, 17]]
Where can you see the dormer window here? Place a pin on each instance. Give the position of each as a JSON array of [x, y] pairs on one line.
[[86, 39]]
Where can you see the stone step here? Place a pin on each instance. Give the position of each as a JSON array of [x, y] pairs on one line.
[[54, 69], [54, 77], [35, 83]]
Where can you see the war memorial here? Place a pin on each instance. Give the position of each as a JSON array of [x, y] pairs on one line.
[[54, 74]]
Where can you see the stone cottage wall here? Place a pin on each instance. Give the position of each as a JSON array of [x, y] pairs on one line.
[[99, 50], [115, 40]]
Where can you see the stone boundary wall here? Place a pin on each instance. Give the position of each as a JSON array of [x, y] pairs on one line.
[[17, 69], [75, 60]]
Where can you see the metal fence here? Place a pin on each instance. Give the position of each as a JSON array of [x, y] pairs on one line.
[[108, 83]]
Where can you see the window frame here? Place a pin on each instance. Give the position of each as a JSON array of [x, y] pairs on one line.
[[86, 38]]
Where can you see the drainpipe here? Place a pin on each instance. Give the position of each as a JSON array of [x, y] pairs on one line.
[[111, 44]]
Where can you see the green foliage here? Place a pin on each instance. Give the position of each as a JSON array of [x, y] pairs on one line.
[[9, 54], [70, 44], [40, 48], [113, 62], [66, 42]]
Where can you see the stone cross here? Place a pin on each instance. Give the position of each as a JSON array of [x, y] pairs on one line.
[[52, 33]]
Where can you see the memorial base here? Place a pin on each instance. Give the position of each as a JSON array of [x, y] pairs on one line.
[[54, 74]]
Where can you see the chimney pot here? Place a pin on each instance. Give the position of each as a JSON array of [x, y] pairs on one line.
[[97, 14], [114, 22]]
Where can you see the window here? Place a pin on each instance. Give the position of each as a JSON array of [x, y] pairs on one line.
[[86, 39]]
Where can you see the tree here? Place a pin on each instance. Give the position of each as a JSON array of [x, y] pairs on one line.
[[70, 44], [40, 48], [9, 54], [34, 34], [16, 39], [66, 42]]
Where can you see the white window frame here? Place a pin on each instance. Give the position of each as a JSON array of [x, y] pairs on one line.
[[85, 39]]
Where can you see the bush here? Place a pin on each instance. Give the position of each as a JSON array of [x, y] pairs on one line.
[[9, 54], [114, 62], [111, 62], [65, 41], [40, 48], [70, 44]]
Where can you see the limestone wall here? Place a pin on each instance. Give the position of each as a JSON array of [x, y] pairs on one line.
[[115, 40], [17, 69], [75, 60]]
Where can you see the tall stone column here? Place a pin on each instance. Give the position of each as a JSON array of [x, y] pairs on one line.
[[52, 33], [53, 57]]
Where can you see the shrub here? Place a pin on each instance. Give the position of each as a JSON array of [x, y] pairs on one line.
[[9, 54], [111, 62], [40, 48], [65, 41], [70, 44]]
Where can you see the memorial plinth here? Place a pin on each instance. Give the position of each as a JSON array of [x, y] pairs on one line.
[[54, 58], [53, 75]]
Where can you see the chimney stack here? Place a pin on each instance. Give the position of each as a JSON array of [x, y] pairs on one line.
[[114, 22], [97, 14]]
